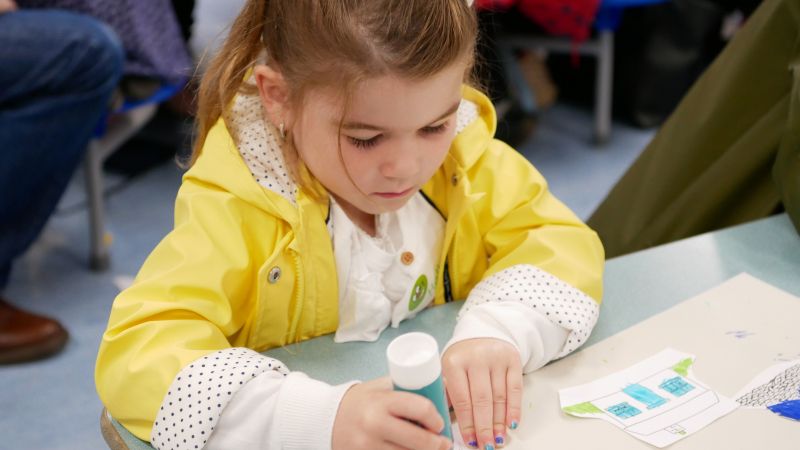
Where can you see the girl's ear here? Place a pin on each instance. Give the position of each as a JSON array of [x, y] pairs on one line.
[[274, 93]]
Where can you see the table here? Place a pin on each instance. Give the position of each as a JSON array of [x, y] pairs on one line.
[[637, 286]]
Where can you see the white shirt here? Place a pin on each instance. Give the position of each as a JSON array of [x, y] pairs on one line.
[[387, 278]]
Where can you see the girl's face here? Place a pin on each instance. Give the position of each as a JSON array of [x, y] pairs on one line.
[[394, 136]]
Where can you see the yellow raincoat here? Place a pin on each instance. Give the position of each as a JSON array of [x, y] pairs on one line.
[[244, 267]]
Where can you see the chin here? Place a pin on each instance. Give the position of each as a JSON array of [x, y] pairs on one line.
[[385, 206]]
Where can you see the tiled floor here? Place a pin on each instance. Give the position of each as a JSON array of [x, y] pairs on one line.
[[53, 405]]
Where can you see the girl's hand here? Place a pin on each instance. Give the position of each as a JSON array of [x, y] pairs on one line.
[[484, 383], [373, 416]]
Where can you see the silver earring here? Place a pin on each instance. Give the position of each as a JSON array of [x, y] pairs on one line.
[[282, 130]]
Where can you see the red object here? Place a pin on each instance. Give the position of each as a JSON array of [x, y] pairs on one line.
[[495, 5], [572, 18]]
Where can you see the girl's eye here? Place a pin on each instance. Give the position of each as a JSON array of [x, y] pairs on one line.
[[435, 130], [365, 144]]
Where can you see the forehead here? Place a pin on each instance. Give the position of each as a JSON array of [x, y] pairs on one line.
[[392, 102]]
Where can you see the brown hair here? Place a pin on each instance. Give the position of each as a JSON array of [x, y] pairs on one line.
[[334, 43]]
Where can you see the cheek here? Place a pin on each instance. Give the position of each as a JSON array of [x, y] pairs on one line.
[[438, 151], [318, 150], [358, 162]]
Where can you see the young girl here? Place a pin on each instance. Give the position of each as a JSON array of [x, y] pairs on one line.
[[344, 179]]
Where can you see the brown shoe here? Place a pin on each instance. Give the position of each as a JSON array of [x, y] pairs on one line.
[[25, 336]]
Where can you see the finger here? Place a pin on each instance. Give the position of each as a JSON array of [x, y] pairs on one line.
[[389, 446], [458, 390], [514, 395], [499, 377], [408, 435], [480, 387], [450, 411], [416, 408]]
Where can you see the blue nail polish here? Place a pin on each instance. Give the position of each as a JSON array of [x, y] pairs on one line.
[[473, 443], [488, 447], [499, 440], [514, 425]]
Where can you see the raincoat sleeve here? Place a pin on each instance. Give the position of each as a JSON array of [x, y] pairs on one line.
[[523, 223], [541, 257], [189, 299]]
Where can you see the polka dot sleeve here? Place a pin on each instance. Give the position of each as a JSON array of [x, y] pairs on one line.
[[199, 393], [560, 303]]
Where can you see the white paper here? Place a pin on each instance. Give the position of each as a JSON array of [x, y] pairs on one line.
[[657, 400], [774, 385]]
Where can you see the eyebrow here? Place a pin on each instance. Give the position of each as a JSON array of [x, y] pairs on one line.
[[367, 126]]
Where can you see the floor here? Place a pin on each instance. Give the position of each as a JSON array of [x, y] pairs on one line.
[[53, 404]]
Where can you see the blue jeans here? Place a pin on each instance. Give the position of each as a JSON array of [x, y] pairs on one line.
[[57, 72]]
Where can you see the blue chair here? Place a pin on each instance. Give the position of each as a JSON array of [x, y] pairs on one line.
[[108, 137], [601, 47]]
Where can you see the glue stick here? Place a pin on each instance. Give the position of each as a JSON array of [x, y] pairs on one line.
[[414, 366]]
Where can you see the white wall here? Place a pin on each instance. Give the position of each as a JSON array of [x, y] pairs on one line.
[[212, 20]]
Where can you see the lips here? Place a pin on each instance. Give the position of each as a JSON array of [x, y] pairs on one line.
[[395, 194]]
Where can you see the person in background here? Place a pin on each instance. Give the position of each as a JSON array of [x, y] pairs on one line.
[[729, 154], [345, 178], [58, 71]]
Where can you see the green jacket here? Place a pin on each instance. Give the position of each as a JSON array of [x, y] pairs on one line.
[[730, 153]]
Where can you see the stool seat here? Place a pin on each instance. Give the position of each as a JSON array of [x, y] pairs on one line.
[[109, 136]]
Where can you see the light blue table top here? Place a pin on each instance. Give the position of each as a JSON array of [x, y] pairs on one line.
[[637, 286]]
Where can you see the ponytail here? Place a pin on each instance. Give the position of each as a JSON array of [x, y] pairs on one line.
[[225, 73]]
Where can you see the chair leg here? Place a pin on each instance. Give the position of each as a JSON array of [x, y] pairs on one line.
[[604, 86], [517, 85], [99, 257]]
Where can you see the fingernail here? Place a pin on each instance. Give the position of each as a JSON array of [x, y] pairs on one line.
[[499, 440], [473, 443], [514, 424], [488, 447]]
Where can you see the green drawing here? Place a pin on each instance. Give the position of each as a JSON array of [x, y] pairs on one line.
[[418, 293], [582, 408], [682, 368]]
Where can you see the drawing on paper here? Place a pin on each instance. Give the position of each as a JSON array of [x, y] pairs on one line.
[[623, 410], [644, 395], [676, 386], [631, 400], [780, 394], [657, 400]]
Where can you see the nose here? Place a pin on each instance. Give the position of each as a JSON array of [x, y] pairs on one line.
[[402, 163]]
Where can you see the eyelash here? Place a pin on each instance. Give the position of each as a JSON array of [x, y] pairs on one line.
[[366, 144]]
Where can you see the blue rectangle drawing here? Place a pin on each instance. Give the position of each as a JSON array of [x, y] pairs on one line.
[[676, 386], [623, 410], [644, 395]]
